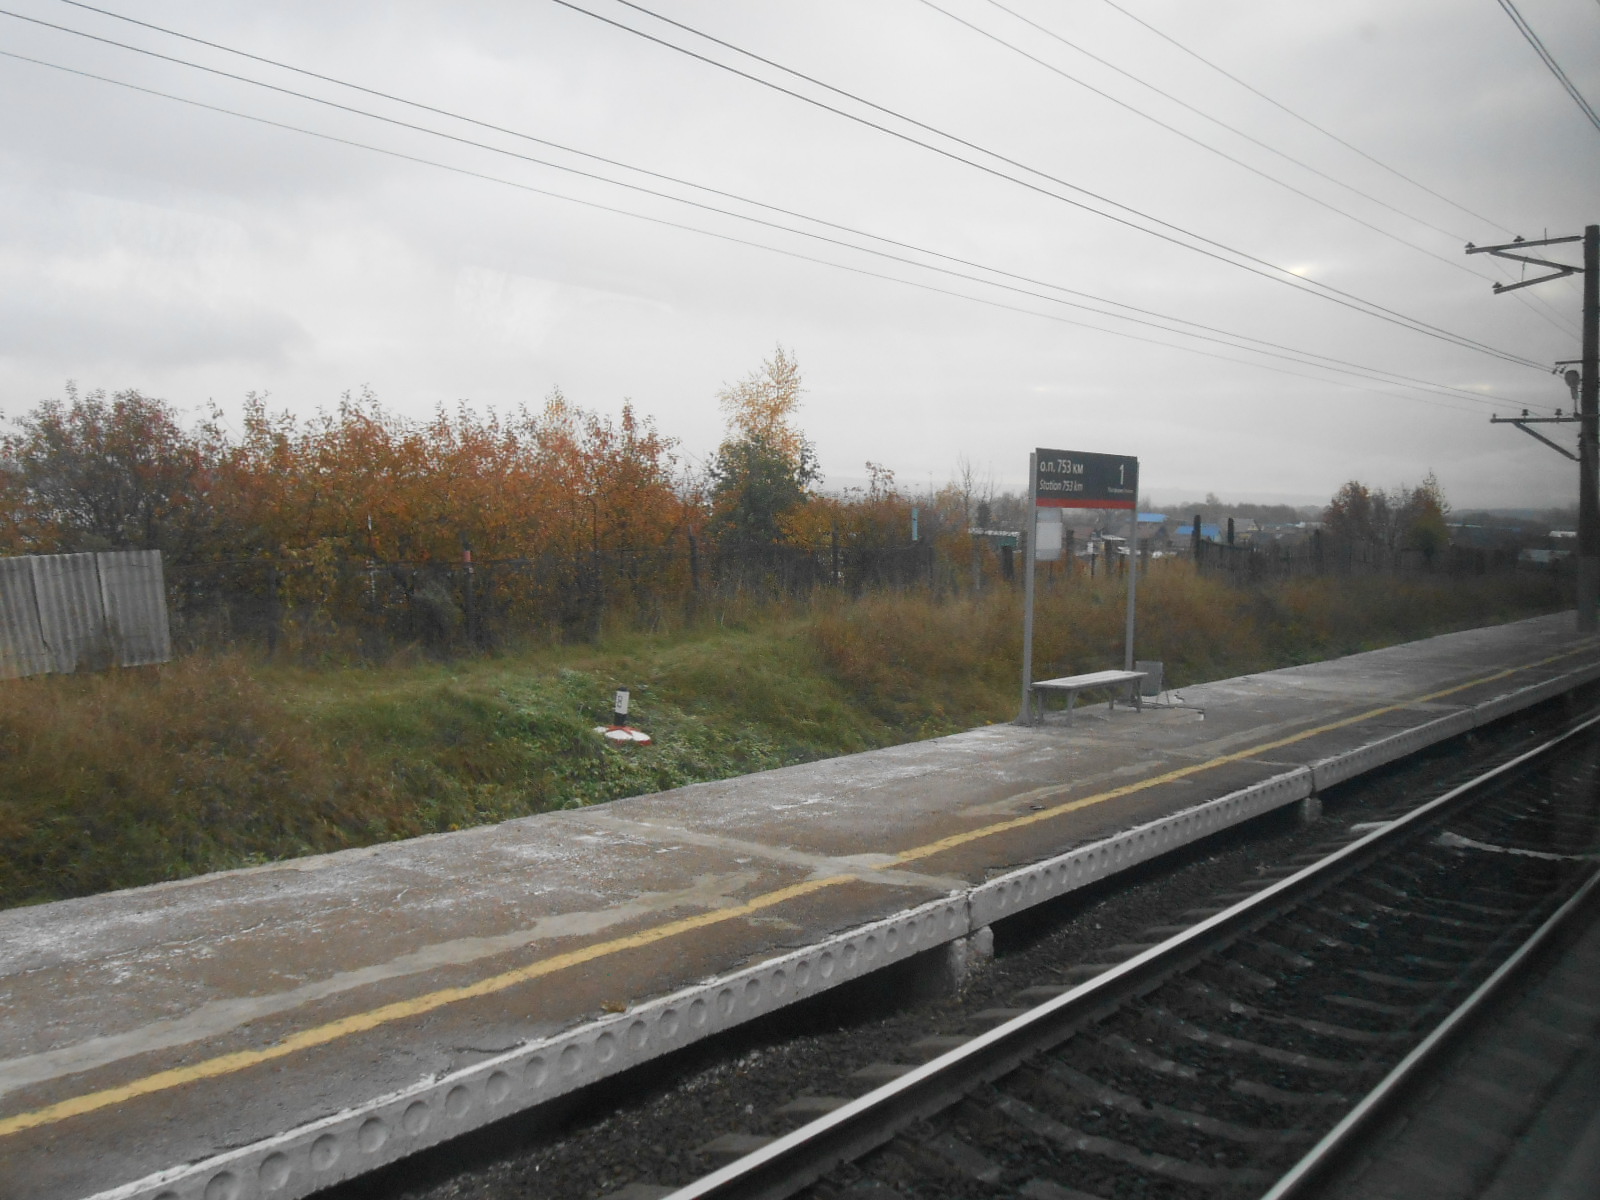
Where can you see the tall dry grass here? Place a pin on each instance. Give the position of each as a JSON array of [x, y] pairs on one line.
[[133, 776], [210, 762], [927, 665]]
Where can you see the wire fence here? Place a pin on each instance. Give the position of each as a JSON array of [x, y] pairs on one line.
[[1321, 554], [478, 605], [372, 606]]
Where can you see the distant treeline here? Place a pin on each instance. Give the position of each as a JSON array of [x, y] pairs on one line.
[[471, 526], [1213, 511], [360, 515]]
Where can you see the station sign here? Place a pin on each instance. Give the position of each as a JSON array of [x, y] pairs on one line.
[[1072, 479]]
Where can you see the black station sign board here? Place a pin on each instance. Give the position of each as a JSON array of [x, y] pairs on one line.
[[1069, 479]]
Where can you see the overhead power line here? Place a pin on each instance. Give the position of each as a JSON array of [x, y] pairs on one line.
[[488, 125], [1220, 251], [1272, 349], [1215, 120], [733, 239], [1306, 121], [1527, 32], [1535, 305], [1233, 129], [1257, 345]]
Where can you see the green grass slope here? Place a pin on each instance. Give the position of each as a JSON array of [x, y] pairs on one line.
[[218, 761]]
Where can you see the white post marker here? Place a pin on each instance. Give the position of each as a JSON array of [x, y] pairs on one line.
[[619, 730], [1073, 479]]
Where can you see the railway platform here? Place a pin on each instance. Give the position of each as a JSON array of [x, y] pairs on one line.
[[270, 1031]]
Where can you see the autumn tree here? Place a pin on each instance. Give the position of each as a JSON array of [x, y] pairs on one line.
[[765, 467], [1422, 518], [1353, 513], [103, 473], [966, 494], [613, 482], [1403, 518], [881, 515]]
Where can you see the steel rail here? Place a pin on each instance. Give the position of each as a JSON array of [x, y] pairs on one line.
[[1344, 1137], [804, 1156]]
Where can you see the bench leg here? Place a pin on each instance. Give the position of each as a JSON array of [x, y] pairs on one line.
[[1072, 699]]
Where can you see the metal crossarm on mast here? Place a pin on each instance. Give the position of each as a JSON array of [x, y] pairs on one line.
[[1524, 421], [1558, 270], [1588, 388]]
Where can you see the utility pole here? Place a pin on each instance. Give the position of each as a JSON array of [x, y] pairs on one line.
[[1589, 436], [1588, 579]]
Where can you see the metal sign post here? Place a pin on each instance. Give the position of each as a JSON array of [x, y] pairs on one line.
[[1133, 584], [1072, 479], [1029, 550]]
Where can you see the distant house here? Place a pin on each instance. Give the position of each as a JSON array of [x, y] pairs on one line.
[[1153, 535], [1080, 531], [1533, 556], [1477, 536], [1291, 533], [1503, 538], [997, 537], [1108, 544]]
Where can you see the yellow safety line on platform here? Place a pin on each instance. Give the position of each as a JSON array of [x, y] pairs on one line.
[[1128, 789], [227, 1064]]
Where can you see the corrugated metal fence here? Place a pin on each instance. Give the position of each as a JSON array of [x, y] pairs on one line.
[[61, 613]]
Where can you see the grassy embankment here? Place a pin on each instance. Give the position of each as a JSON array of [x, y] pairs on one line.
[[137, 776]]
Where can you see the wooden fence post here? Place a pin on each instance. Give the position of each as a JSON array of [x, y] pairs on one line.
[[274, 613], [471, 589]]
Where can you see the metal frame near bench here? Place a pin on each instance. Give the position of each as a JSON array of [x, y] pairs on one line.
[[1073, 684]]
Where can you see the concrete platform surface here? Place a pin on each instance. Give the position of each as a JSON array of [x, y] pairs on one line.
[[270, 1031]]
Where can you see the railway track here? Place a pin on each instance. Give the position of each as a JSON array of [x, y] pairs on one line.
[[1242, 1054]]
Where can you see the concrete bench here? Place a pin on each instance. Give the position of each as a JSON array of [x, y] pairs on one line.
[[1073, 684]]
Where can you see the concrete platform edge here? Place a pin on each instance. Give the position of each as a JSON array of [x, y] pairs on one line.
[[384, 1130]]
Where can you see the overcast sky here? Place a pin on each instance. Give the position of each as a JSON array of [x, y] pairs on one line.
[[199, 256]]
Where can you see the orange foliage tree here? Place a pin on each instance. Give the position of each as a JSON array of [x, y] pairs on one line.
[[762, 472], [333, 503], [102, 473], [359, 517]]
